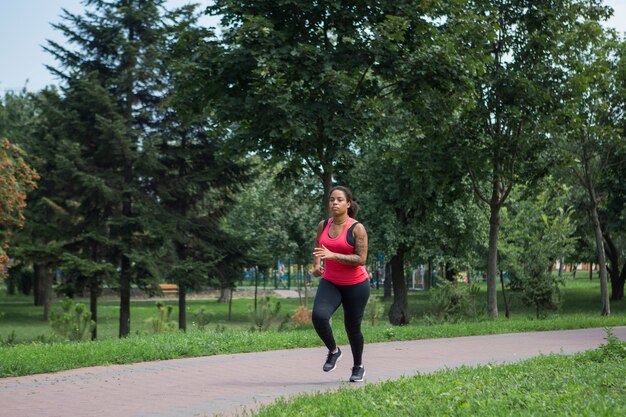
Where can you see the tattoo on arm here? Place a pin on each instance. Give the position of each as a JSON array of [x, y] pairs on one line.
[[356, 258]]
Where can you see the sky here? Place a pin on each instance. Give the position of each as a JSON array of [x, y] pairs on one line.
[[26, 24]]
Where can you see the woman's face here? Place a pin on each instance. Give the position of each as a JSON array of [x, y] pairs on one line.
[[338, 202]]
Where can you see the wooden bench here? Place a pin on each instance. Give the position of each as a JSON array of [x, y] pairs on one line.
[[168, 288]]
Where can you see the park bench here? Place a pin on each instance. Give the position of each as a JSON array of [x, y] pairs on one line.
[[168, 288]]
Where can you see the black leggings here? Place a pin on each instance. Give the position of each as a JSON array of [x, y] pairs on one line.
[[354, 299]]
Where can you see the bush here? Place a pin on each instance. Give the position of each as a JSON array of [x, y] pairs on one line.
[[374, 310], [302, 315], [541, 288], [452, 302], [203, 318], [163, 321], [265, 315], [73, 322]]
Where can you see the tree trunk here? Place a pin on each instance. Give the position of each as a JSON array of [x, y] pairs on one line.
[[622, 279], [327, 180], [387, 284], [561, 266], [182, 307], [94, 287], [604, 289], [224, 295], [617, 274], [507, 313], [230, 305], [37, 296], [299, 281], [590, 271], [256, 285], [430, 273], [181, 253], [399, 311], [492, 266], [38, 284], [45, 277], [124, 297], [574, 270]]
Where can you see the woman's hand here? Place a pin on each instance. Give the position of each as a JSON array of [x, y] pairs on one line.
[[317, 271], [323, 253]]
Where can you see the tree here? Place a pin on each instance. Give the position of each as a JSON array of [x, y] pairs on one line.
[[118, 50], [16, 180], [274, 218], [537, 230], [296, 78], [505, 137], [590, 116], [196, 180], [613, 213], [412, 200]]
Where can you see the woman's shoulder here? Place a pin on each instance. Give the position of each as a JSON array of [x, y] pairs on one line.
[[357, 226]]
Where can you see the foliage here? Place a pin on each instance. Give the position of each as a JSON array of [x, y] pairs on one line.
[[302, 315], [269, 230], [74, 320], [374, 310], [537, 231], [202, 318], [506, 137], [453, 302], [20, 279], [9, 340], [614, 350], [16, 180], [266, 314], [297, 93], [162, 322]]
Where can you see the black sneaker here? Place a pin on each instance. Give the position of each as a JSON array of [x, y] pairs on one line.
[[331, 360], [358, 373]]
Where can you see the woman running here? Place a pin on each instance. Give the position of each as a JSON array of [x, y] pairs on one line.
[[342, 244]]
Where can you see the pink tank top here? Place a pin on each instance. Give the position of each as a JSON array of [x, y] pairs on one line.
[[337, 272]]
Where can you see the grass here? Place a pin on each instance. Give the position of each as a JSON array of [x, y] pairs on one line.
[[580, 309], [587, 384]]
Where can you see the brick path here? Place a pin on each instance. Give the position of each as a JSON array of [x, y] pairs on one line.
[[228, 384]]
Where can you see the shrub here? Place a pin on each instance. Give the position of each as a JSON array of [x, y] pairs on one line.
[[73, 322], [265, 315], [163, 321], [453, 301], [302, 315], [374, 310], [9, 341], [203, 318]]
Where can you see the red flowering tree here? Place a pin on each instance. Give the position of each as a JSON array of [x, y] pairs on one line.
[[16, 180]]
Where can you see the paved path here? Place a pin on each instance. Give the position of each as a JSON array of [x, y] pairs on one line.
[[228, 384]]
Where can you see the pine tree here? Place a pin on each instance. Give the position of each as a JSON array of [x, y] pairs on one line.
[[112, 81]]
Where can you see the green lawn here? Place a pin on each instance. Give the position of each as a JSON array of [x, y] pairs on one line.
[[21, 318], [580, 309], [586, 384]]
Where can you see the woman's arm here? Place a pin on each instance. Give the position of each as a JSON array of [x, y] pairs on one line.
[[359, 257], [317, 262]]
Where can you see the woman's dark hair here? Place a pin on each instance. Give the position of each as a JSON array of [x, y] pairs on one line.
[[354, 207]]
